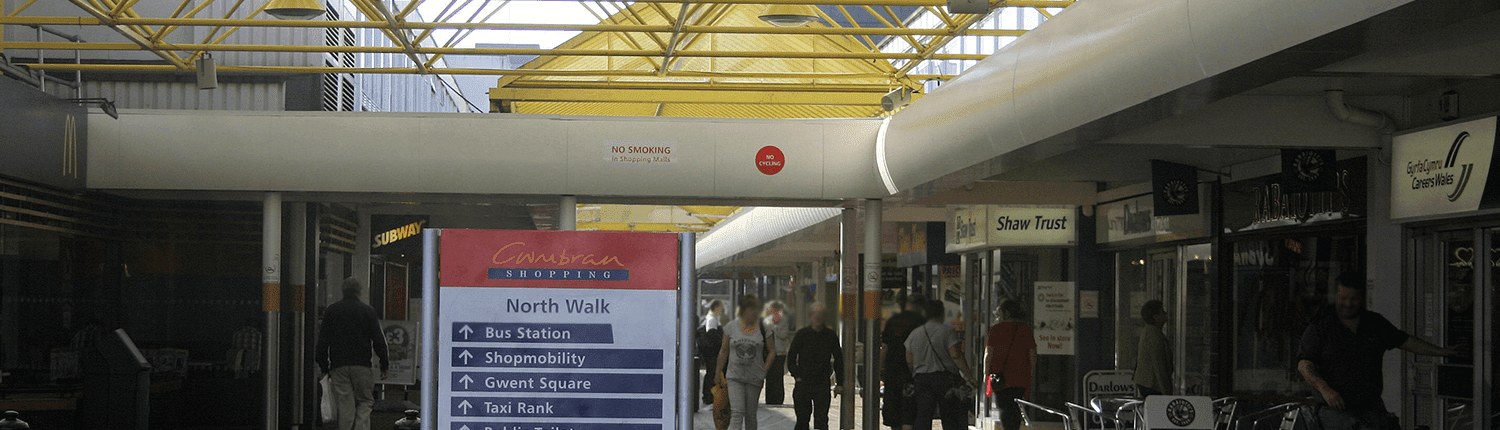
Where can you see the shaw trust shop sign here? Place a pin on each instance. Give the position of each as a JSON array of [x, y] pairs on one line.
[[1444, 170], [989, 226]]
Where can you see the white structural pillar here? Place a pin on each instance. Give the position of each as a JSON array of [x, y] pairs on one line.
[[870, 318], [270, 299], [567, 213]]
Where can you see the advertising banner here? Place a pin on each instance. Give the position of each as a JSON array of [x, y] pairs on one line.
[[401, 342], [557, 330], [1055, 323], [396, 234], [1444, 170]]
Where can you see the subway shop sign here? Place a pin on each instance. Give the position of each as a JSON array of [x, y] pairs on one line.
[[1444, 170]]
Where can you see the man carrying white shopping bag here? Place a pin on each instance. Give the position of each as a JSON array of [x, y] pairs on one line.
[[349, 332]]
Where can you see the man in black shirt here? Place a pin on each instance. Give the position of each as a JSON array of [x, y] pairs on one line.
[[898, 404], [349, 333], [814, 356], [1340, 356]]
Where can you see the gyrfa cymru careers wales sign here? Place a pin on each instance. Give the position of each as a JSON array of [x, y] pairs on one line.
[[557, 330]]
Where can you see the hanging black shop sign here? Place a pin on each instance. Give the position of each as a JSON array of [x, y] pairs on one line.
[[1309, 170], [1174, 188]]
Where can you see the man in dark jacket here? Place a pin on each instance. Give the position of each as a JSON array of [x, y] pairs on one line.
[[899, 404], [350, 331], [813, 357]]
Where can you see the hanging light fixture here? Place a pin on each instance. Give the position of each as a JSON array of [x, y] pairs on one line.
[[294, 9], [789, 15]]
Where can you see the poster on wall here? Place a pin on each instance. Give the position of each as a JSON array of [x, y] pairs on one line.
[[1056, 323], [401, 344]]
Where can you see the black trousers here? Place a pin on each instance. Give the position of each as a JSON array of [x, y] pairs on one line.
[[932, 398], [710, 378], [1005, 401], [811, 399], [776, 381]]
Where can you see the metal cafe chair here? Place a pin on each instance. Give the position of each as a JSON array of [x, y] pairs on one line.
[[1068, 423], [1287, 413], [1224, 413], [1124, 412]]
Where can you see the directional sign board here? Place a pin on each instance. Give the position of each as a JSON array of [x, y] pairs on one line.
[[554, 330]]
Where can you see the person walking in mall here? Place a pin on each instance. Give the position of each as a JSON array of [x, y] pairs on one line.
[[746, 354], [935, 354], [898, 399], [779, 327], [1153, 355], [349, 333], [710, 340], [814, 356], [1341, 357], [1011, 352]]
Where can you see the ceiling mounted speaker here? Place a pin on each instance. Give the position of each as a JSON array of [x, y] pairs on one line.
[[294, 9], [969, 6], [208, 73]]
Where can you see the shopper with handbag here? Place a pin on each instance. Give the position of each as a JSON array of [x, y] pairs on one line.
[[943, 381], [1011, 358]]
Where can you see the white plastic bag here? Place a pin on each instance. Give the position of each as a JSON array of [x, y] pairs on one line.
[[329, 411]]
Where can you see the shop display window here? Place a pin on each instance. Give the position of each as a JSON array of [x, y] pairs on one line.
[[1280, 286]]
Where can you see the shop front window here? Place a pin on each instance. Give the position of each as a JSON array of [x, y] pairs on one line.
[[1281, 285]]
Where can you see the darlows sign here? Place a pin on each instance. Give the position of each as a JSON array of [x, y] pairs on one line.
[[1444, 170]]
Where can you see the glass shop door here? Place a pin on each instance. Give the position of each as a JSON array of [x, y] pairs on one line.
[[1456, 269]]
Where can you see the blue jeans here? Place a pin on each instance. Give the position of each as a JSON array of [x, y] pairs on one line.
[[932, 397]]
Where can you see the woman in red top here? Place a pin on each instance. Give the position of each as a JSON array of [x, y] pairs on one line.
[[1011, 351]]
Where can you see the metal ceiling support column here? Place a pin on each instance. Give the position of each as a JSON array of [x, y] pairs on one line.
[[666, 60], [567, 213], [270, 299], [848, 312], [296, 276], [137, 38], [871, 319], [399, 34]]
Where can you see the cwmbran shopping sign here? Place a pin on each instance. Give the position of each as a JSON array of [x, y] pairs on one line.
[[1444, 170]]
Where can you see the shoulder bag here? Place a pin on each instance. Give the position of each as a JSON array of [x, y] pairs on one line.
[[959, 390]]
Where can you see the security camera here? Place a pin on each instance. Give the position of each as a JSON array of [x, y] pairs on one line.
[[895, 99]]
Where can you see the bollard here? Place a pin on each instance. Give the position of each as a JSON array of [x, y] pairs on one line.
[[12, 421], [412, 421]]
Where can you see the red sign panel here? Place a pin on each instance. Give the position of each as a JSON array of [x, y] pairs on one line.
[[770, 160], [558, 259]]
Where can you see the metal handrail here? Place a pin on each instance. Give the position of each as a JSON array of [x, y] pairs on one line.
[[1068, 423]]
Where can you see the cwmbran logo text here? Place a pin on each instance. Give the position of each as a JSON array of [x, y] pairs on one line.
[[1438, 173]]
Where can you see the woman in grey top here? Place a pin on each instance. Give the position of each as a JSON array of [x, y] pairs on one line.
[[743, 360], [938, 366]]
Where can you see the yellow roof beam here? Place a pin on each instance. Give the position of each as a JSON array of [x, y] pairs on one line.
[[823, 98], [617, 28], [169, 47], [510, 73]]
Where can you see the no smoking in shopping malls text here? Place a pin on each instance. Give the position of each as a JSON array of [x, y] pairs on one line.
[[770, 160]]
